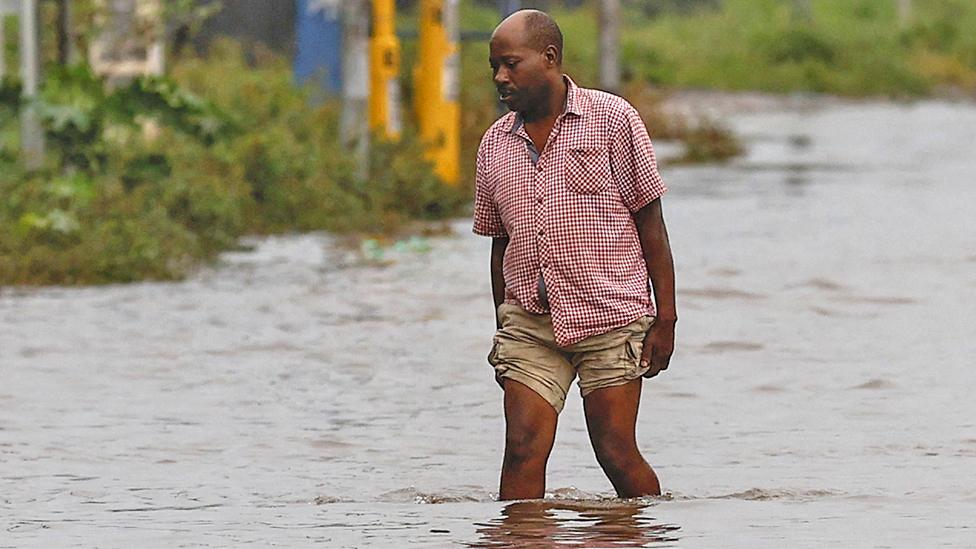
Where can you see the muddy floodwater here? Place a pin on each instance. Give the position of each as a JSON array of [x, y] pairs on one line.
[[821, 394]]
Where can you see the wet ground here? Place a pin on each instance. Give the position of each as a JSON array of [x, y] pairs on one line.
[[821, 393]]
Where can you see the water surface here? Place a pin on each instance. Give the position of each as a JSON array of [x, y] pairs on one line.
[[821, 393]]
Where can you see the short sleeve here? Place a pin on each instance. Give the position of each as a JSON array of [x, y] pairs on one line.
[[487, 219], [634, 164]]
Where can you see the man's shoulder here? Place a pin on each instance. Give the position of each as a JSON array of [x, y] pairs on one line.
[[502, 125], [606, 104]]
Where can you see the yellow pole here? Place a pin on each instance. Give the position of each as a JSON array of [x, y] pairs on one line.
[[436, 83], [384, 93]]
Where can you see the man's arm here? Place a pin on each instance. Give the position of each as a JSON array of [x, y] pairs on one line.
[[498, 245], [659, 341]]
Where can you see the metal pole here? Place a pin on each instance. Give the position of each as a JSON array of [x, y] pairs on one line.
[[31, 135], [436, 87], [610, 45], [354, 124], [66, 44], [384, 93]]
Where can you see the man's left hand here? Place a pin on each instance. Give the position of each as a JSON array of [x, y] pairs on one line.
[[658, 346]]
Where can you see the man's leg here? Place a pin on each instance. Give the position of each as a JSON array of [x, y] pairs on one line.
[[611, 419], [530, 428]]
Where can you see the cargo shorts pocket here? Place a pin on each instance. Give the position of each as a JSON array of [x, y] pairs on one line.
[[495, 362], [634, 347], [493, 353]]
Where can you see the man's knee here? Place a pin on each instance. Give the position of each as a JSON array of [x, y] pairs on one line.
[[616, 453], [526, 446]]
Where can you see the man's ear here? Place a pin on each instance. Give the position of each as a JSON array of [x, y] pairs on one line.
[[552, 55]]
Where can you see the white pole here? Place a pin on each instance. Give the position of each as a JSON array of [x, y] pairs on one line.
[[354, 123], [31, 136], [610, 45], [904, 12], [3, 47], [802, 10], [156, 51]]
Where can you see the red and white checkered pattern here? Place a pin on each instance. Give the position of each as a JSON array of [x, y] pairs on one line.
[[569, 215]]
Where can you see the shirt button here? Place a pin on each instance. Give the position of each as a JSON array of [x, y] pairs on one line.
[[539, 200], [542, 232]]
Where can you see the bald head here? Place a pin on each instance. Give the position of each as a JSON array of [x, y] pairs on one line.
[[536, 28]]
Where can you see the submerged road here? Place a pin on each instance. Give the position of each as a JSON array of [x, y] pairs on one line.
[[820, 393]]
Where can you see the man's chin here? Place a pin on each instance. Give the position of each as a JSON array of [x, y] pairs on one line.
[[511, 105]]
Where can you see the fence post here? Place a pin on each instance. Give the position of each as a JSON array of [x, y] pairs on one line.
[[354, 123], [31, 134], [610, 45]]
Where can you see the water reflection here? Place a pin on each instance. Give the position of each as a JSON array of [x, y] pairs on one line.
[[555, 523]]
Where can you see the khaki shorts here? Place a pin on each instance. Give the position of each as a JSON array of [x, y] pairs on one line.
[[525, 350]]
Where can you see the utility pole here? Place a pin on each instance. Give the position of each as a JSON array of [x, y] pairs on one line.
[[610, 45], [354, 123], [31, 134]]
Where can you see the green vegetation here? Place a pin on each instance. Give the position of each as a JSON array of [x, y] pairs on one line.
[[145, 181], [845, 47]]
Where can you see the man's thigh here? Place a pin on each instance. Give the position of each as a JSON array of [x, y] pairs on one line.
[[611, 359], [523, 351]]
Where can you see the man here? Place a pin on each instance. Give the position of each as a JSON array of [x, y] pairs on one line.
[[567, 186]]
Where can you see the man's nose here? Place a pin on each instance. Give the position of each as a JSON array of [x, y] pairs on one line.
[[501, 77]]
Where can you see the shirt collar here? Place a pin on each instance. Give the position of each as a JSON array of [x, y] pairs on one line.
[[573, 106], [574, 99]]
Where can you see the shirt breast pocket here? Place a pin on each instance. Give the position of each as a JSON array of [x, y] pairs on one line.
[[588, 170]]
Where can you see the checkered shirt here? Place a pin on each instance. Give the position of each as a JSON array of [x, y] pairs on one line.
[[569, 216]]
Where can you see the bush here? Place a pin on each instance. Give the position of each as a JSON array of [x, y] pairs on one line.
[[144, 181]]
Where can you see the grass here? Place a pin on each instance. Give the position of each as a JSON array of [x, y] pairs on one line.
[[846, 47]]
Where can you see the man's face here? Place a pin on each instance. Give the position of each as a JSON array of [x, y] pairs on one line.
[[519, 71]]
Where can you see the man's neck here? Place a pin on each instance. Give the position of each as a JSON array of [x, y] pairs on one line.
[[552, 108]]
